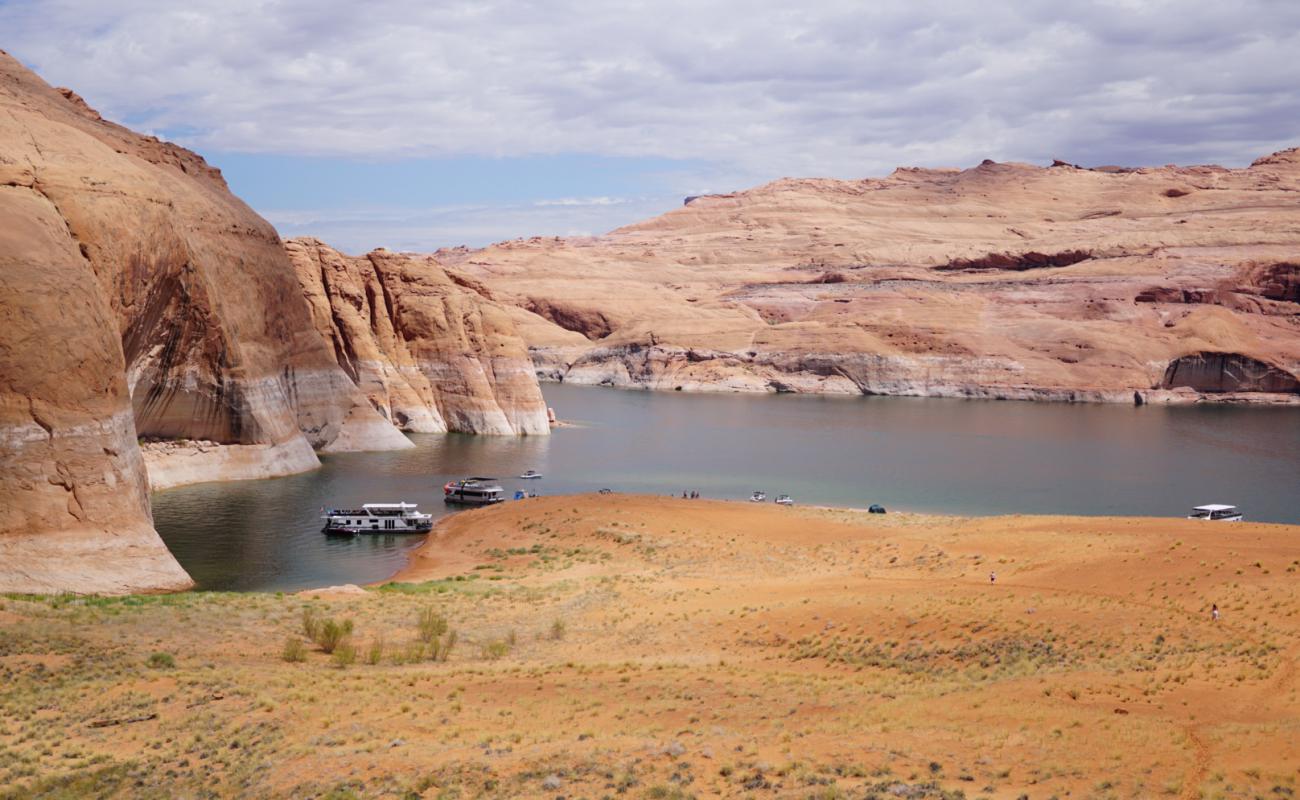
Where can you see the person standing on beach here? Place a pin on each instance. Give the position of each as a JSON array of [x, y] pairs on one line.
[[993, 577], [1214, 611]]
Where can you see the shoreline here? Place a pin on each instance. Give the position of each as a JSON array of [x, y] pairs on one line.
[[417, 567], [725, 641]]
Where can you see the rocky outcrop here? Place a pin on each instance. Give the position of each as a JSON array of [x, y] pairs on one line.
[[428, 351], [1227, 372], [1004, 280], [141, 300]]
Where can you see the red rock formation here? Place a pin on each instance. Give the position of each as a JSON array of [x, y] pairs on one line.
[[427, 350], [139, 298], [1004, 280]]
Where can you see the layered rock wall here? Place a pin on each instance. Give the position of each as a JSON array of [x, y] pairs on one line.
[[998, 281], [141, 301], [429, 353]]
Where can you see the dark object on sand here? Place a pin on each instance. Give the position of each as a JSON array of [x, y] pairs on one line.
[[876, 508]]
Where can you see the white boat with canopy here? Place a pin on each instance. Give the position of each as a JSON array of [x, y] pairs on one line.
[[1217, 513], [377, 518]]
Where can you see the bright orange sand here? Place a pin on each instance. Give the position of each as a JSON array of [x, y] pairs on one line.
[[709, 649]]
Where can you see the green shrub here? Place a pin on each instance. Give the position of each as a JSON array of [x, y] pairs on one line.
[[162, 661], [440, 649], [495, 650], [294, 650], [344, 654], [558, 629], [332, 633], [311, 622], [376, 652], [431, 625]]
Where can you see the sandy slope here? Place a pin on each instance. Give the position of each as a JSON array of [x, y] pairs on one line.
[[705, 649]]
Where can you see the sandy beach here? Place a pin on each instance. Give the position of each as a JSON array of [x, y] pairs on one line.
[[651, 647]]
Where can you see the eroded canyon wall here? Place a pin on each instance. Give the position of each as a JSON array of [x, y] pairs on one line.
[[429, 352], [1002, 281], [153, 330]]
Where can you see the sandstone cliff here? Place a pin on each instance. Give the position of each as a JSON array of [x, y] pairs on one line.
[[141, 301], [1004, 280], [430, 352]]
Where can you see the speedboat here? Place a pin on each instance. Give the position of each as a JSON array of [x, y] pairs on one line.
[[377, 518], [758, 497], [473, 492], [784, 500], [530, 475], [1217, 513]]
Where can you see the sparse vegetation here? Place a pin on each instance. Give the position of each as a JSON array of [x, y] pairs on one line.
[[294, 650], [709, 664]]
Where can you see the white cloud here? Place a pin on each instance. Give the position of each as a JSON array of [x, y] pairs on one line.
[[756, 89]]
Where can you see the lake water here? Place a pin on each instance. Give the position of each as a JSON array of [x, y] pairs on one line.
[[955, 456]]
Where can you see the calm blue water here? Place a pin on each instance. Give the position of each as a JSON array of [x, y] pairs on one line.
[[957, 456]]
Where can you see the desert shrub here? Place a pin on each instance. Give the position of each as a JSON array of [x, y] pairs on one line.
[[431, 625], [311, 622], [344, 654], [162, 661], [294, 650], [495, 650], [332, 633], [512, 639], [375, 653], [558, 629], [440, 649]]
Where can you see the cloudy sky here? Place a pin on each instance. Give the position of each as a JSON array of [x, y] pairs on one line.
[[415, 124]]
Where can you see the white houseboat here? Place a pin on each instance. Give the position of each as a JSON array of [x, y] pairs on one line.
[[1217, 513], [473, 492], [377, 518]]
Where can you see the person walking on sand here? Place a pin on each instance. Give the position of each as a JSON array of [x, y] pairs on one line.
[[993, 577], [1214, 611]]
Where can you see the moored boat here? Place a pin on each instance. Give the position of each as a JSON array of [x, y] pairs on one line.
[[473, 492], [1217, 512], [377, 518], [784, 500], [531, 475], [758, 497]]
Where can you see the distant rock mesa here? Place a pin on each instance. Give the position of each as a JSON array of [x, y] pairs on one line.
[[1004, 280]]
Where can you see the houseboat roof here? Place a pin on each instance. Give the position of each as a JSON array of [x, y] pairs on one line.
[[390, 506], [1215, 507]]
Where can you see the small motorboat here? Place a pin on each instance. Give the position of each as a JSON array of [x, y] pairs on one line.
[[758, 497], [1217, 513], [530, 475], [784, 500], [876, 508]]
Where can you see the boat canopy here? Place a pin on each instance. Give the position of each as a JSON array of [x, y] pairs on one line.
[[390, 506], [1215, 507]]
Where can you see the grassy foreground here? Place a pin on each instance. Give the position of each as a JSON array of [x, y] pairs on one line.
[[657, 648]]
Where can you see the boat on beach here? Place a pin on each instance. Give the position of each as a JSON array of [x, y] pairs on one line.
[[1217, 512], [473, 492], [784, 500], [377, 518], [758, 497]]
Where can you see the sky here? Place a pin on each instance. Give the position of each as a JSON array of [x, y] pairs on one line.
[[413, 124]]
